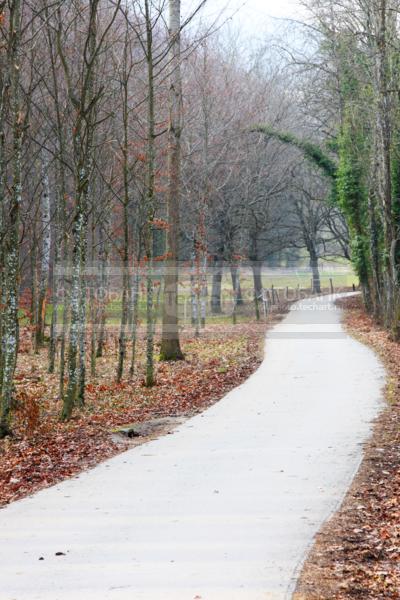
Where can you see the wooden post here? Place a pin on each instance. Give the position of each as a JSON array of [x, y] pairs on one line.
[[332, 288]]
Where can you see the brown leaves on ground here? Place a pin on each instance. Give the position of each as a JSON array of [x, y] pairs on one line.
[[44, 451], [357, 554]]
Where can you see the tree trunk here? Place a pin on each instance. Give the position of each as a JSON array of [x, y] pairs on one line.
[[82, 310], [236, 285], [256, 267], [216, 305], [94, 284], [34, 284], [125, 300], [150, 191], [10, 326], [3, 112], [59, 237], [45, 225], [135, 315], [103, 259], [384, 128], [75, 304], [83, 135], [61, 245], [126, 200], [374, 235], [194, 295], [235, 288], [170, 344], [316, 279]]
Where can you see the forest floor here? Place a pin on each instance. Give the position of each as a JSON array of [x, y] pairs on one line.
[[44, 451], [357, 553]]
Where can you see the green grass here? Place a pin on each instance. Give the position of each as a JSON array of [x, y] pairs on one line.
[[340, 272]]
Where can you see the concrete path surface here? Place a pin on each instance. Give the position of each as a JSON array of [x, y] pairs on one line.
[[227, 506]]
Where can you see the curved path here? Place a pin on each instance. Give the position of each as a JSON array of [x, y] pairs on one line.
[[224, 509]]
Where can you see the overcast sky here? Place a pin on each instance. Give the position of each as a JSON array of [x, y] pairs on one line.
[[254, 17]]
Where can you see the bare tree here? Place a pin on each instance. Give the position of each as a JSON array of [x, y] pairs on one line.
[[170, 345], [11, 94]]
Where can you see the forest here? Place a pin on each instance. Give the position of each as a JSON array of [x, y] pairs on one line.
[[131, 153], [169, 188]]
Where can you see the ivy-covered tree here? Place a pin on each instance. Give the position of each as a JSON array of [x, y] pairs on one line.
[[353, 201]]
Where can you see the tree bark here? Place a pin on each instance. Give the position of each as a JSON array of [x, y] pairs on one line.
[[256, 267], [216, 305], [45, 226], [236, 285], [150, 192], [135, 316], [316, 279], [384, 128], [83, 146], [10, 326], [170, 343], [103, 260], [125, 202]]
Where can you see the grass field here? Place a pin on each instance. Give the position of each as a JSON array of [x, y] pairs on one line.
[[288, 282]]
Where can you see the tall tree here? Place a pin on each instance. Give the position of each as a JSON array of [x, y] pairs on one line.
[[170, 344], [84, 99], [10, 326]]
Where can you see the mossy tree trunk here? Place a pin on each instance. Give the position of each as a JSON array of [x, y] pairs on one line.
[[10, 329]]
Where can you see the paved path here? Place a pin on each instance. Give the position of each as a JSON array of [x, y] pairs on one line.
[[224, 509]]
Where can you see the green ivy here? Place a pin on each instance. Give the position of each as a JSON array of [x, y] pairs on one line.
[[353, 194], [311, 151]]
